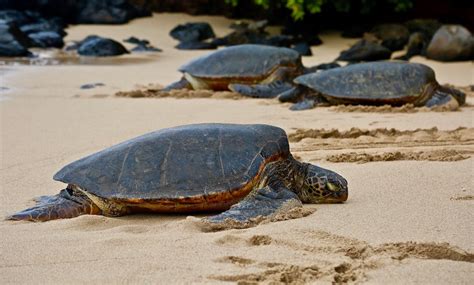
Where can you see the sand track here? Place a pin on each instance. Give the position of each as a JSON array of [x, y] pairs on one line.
[[336, 259], [358, 145]]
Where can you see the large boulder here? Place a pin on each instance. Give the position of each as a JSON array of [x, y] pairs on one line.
[[427, 27], [451, 43], [98, 46], [12, 41], [393, 36]]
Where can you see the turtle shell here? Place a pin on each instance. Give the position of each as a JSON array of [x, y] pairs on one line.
[[242, 61], [394, 83], [176, 163]]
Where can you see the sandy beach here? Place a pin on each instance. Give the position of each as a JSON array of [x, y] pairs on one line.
[[408, 219]]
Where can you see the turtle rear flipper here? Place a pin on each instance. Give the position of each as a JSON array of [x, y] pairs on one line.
[[446, 97], [260, 205], [66, 204], [270, 90]]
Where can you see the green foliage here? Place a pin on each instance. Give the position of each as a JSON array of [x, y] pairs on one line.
[[299, 8]]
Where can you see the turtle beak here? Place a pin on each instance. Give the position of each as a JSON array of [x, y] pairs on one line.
[[336, 194]]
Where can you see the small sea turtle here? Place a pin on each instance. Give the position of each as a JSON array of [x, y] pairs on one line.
[[374, 83], [237, 67], [192, 168]]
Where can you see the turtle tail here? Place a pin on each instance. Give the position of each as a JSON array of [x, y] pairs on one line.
[[67, 204]]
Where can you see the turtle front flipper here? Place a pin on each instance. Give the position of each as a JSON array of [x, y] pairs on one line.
[[264, 204], [66, 204], [270, 90], [181, 84], [446, 97]]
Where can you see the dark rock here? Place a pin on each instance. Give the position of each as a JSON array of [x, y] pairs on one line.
[[145, 48], [46, 39], [44, 26], [451, 43], [416, 46], [365, 50], [141, 45], [134, 40], [196, 45], [280, 40], [322, 66], [393, 36], [303, 48], [14, 17], [98, 46], [192, 32], [13, 42], [107, 11], [91, 85], [313, 40], [245, 37], [427, 27]]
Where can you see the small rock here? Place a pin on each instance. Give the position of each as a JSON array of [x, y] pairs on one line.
[[91, 85], [98, 46], [303, 48], [196, 45], [192, 32]]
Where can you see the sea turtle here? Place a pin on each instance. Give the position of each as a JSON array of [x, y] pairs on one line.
[[192, 168], [374, 83], [237, 67]]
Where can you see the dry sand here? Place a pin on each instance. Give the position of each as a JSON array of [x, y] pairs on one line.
[[404, 222]]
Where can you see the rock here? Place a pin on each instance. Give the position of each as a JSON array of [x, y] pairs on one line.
[[142, 45], [192, 32], [106, 11], [451, 43], [323, 66], [92, 85], [416, 46], [303, 48], [196, 45], [393, 36], [427, 27], [280, 40], [145, 48], [14, 17], [44, 26], [12, 41], [46, 39], [365, 50], [98, 46], [134, 40]]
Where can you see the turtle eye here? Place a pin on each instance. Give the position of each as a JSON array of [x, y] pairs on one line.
[[332, 187]]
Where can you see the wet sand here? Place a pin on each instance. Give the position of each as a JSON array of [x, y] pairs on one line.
[[407, 220]]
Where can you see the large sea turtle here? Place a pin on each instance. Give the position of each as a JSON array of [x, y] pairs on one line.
[[192, 168], [374, 83], [273, 68]]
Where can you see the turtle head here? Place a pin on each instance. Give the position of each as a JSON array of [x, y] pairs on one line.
[[323, 186]]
